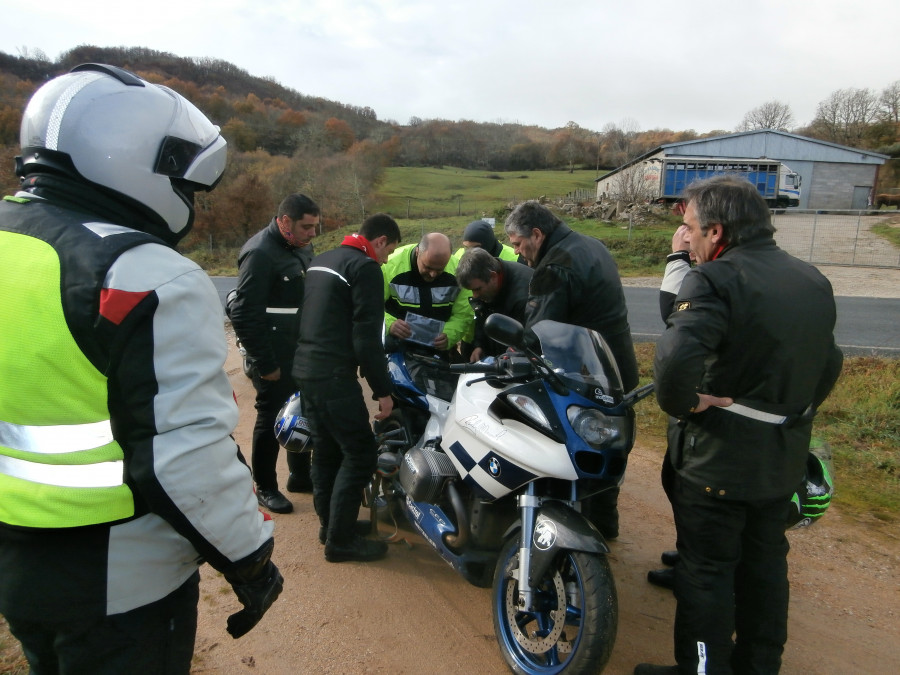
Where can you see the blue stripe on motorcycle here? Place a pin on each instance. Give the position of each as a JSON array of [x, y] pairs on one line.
[[462, 456], [505, 472]]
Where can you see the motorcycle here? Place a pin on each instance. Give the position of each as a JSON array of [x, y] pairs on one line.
[[490, 462]]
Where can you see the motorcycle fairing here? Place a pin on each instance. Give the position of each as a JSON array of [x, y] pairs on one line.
[[433, 524], [492, 470], [405, 387]]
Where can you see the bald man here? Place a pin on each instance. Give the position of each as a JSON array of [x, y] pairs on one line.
[[419, 279]]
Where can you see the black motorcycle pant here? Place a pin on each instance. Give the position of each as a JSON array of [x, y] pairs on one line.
[[731, 578], [344, 451], [271, 395], [155, 638]]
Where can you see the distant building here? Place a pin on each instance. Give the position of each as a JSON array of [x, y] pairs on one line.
[[832, 176]]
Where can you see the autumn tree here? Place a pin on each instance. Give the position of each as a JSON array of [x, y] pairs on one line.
[[339, 134], [770, 115], [239, 135]]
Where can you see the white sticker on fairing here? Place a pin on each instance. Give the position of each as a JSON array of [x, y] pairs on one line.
[[478, 425]]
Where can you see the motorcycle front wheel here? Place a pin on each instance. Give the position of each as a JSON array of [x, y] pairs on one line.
[[572, 627]]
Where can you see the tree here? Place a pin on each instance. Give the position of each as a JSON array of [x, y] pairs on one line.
[[889, 103], [339, 134], [618, 143], [845, 116], [770, 115], [239, 135], [631, 184]]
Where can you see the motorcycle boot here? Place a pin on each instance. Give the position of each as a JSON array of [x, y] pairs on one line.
[[669, 558], [664, 578], [357, 548], [363, 528], [274, 501]]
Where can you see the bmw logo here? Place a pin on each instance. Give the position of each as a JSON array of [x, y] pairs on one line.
[[494, 466]]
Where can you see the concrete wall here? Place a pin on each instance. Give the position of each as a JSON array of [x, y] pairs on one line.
[[831, 185]]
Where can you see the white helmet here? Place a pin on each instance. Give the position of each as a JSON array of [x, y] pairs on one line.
[[141, 140]]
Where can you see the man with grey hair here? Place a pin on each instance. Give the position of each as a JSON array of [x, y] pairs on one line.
[[576, 281], [747, 357], [497, 286]]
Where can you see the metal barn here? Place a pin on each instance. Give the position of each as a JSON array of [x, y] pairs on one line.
[[833, 176]]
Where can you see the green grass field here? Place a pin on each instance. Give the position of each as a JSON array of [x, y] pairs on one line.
[[417, 192]]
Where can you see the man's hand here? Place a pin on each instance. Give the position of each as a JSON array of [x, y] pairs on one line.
[[273, 376], [400, 329], [477, 353], [385, 406], [441, 342], [257, 583], [707, 401], [679, 239]]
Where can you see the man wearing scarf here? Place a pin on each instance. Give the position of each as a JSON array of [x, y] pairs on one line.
[[341, 340]]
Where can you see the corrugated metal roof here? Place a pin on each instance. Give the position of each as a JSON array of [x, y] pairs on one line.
[[762, 143]]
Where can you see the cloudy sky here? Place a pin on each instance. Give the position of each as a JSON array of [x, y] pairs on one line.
[[640, 64]]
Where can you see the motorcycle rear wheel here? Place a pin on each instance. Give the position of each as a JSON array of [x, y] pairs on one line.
[[573, 627]]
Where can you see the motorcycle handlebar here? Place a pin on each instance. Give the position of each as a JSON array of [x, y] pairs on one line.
[[495, 368]]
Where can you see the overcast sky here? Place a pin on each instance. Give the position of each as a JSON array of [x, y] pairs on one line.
[[639, 64]]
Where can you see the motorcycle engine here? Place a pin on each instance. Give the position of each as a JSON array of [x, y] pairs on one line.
[[423, 472]]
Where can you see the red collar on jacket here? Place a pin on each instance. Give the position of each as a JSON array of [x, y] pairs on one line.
[[360, 242]]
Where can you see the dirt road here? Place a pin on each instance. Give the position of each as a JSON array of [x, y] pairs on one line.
[[411, 614]]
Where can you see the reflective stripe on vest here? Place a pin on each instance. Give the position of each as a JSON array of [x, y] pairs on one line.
[[409, 295], [59, 464]]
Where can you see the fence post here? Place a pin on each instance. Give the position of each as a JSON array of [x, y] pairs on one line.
[[812, 239], [856, 240]]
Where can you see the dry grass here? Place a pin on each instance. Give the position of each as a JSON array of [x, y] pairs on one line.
[[860, 420]]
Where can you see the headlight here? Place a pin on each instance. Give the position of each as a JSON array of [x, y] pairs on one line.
[[529, 407], [595, 428]]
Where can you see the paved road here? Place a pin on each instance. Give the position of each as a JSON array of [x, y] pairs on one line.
[[865, 326]]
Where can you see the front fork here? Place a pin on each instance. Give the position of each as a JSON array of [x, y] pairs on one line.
[[548, 528], [528, 504]]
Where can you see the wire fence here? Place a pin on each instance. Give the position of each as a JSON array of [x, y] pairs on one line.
[[835, 238]]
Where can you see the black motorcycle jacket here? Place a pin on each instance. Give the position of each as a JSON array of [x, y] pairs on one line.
[[755, 325], [341, 325], [510, 301], [576, 281], [265, 312]]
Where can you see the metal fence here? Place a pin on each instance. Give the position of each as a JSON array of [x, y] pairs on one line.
[[835, 237]]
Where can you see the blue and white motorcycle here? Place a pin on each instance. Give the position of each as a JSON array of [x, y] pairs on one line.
[[491, 461]]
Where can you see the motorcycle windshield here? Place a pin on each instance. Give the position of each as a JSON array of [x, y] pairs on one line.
[[582, 359]]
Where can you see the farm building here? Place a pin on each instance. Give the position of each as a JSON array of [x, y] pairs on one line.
[[831, 176]]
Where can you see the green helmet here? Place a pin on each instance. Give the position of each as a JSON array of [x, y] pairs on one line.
[[812, 498]]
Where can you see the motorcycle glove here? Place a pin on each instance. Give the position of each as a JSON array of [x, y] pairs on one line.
[[257, 583]]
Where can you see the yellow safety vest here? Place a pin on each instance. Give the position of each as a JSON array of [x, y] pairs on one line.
[[59, 464]]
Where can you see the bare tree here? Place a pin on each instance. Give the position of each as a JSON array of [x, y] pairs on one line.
[[889, 103], [631, 185], [770, 115], [845, 115], [618, 141]]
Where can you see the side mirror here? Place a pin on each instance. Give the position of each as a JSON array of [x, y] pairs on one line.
[[505, 330]]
